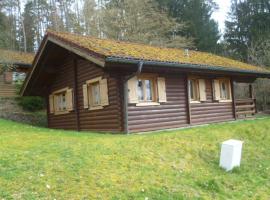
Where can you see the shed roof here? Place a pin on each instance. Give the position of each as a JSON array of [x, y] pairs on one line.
[[15, 57], [106, 48]]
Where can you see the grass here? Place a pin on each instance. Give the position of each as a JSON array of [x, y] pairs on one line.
[[38, 163]]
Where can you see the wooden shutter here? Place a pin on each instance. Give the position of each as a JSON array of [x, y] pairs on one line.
[[230, 89], [8, 77], [132, 90], [202, 88], [51, 104], [104, 99], [69, 99], [161, 89], [216, 90], [85, 96], [55, 103]]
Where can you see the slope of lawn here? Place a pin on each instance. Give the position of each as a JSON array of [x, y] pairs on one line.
[[38, 163]]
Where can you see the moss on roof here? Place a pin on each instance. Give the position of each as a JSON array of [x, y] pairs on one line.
[[15, 57], [112, 48]]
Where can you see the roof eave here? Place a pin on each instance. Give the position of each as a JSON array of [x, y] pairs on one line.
[[187, 66]]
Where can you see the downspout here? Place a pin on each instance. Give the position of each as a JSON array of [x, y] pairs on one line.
[[125, 107]]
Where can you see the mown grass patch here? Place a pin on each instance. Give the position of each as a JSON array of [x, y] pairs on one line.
[[39, 163]]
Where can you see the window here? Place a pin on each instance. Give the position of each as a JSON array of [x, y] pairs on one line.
[[61, 101], [194, 90], [222, 89], [95, 93], [18, 76], [197, 90], [147, 89]]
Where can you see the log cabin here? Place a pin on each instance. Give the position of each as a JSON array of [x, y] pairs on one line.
[[13, 68], [112, 86]]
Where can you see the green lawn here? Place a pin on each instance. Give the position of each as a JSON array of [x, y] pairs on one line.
[[38, 163]]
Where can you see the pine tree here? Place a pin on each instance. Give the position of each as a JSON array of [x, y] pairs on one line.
[[197, 16], [249, 23], [141, 21]]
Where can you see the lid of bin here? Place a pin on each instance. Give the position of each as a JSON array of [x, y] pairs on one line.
[[232, 142]]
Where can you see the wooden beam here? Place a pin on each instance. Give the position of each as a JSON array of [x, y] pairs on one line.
[[100, 62], [76, 101], [251, 91], [187, 100], [233, 98]]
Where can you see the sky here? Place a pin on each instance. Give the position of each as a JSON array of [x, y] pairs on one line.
[[221, 14]]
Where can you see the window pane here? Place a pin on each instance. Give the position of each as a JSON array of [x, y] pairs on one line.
[[95, 94], [64, 101], [140, 90], [148, 89], [223, 90]]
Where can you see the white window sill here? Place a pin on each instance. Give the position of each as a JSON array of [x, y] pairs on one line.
[[195, 102], [61, 112], [148, 104], [225, 101], [96, 108]]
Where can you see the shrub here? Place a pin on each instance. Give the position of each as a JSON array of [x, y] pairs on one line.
[[31, 103]]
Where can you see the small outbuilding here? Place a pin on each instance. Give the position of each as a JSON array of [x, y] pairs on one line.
[[106, 85], [14, 67]]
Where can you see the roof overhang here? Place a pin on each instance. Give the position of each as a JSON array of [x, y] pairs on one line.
[[187, 66], [68, 46]]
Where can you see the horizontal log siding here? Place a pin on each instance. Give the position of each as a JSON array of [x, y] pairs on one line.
[[172, 114], [6, 90], [64, 78], [109, 118], [210, 111]]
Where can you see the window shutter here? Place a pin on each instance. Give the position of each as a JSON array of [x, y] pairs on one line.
[[85, 96], [230, 89], [8, 77], [161, 89], [69, 97], [132, 90], [104, 99], [55, 103], [216, 89], [202, 88], [51, 104]]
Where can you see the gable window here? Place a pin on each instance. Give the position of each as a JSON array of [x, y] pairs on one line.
[[61, 101], [147, 89], [197, 90], [222, 89], [95, 93]]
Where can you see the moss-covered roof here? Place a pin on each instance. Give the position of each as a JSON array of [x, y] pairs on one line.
[[15, 57], [111, 48]]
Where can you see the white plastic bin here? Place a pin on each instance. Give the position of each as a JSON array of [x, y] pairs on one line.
[[230, 155]]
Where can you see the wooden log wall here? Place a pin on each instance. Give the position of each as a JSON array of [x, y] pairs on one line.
[[63, 78], [211, 111], [172, 114], [110, 117], [107, 119]]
